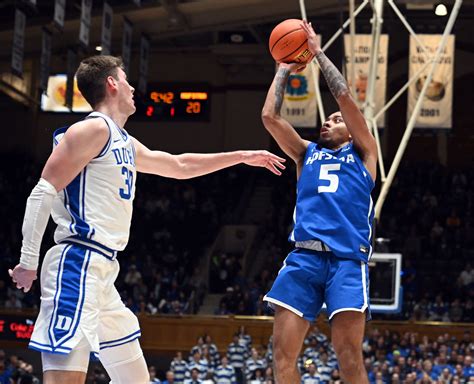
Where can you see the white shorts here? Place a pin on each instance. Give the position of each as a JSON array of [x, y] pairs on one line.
[[79, 301]]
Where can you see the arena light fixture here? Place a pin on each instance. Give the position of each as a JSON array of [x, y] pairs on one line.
[[98, 48], [236, 38], [441, 10]]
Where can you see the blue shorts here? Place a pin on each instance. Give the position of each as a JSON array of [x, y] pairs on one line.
[[310, 278]]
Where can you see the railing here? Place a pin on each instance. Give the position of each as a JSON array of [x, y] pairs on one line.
[[166, 334]]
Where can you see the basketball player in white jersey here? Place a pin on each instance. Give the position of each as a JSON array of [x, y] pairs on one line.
[[88, 185]]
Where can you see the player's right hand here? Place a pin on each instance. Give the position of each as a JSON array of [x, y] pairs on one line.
[[314, 41], [23, 278]]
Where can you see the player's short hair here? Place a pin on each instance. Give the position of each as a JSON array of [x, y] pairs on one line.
[[91, 76]]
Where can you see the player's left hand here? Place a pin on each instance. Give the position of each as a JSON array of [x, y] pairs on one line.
[[314, 41], [264, 159], [23, 278]]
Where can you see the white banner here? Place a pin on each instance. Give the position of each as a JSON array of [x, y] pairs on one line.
[[299, 103], [59, 13], [85, 22], [436, 109], [143, 69], [127, 43], [106, 38], [362, 51], [18, 43], [45, 59]]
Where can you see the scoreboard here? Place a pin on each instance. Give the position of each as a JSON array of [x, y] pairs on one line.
[[16, 327], [164, 103]]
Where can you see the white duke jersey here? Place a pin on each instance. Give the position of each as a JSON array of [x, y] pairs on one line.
[[95, 209]]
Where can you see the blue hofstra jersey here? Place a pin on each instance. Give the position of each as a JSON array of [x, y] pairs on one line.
[[333, 202]]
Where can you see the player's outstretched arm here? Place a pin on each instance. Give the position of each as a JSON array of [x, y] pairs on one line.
[[355, 121], [81, 143], [285, 135], [188, 165]]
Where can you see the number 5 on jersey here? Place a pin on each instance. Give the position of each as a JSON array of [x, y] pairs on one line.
[[331, 177]]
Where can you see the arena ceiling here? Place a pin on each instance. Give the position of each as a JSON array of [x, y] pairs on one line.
[[197, 24]]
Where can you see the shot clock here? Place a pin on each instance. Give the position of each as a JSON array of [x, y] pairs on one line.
[[173, 104]]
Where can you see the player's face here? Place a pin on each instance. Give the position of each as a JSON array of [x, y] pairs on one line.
[[334, 132], [125, 91]]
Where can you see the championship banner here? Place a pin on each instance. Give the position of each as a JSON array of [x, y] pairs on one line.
[[127, 43], [106, 38], [85, 22], [143, 69], [436, 109], [45, 60], [361, 61], [18, 43], [59, 13], [299, 102], [71, 71]]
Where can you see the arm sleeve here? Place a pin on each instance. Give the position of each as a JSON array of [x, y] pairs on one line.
[[38, 209]]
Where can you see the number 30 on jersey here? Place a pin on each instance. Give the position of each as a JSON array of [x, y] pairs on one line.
[[126, 193]]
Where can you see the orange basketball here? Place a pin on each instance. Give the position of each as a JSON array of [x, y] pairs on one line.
[[288, 43]]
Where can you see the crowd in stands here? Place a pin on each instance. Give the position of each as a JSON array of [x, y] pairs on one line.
[[15, 370], [174, 222], [389, 358], [434, 231]]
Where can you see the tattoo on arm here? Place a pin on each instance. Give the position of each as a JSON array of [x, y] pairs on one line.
[[280, 84], [334, 78]]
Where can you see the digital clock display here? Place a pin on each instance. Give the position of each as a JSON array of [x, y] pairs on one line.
[[162, 104]]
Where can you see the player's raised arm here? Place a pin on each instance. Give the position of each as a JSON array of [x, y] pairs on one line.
[[285, 135], [364, 142], [188, 165], [80, 144]]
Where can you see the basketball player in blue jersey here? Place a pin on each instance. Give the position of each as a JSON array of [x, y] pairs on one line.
[[88, 185], [332, 229]]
